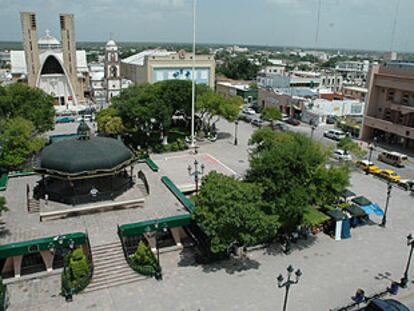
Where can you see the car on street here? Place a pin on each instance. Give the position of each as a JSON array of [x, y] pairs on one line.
[[65, 120], [293, 121], [245, 118], [258, 122], [331, 119], [389, 175], [280, 127], [342, 155], [406, 184], [248, 111], [384, 305], [367, 166], [334, 134]]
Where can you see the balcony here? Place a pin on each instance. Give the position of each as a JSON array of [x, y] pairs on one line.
[[403, 108], [387, 126]]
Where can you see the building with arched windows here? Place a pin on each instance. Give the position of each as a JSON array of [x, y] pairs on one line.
[[112, 70], [52, 65]]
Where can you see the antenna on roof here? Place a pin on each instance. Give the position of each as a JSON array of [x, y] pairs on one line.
[[111, 34], [394, 26]]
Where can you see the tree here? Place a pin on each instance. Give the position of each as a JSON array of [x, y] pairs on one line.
[[143, 256], [19, 141], [20, 100], [292, 171], [211, 106], [271, 114], [347, 144], [232, 211], [109, 122], [239, 68]]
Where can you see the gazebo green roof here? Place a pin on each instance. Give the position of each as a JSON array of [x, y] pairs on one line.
[[75, 157]]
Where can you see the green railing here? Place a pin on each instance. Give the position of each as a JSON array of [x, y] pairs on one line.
[[178, 194], [154, 167], [35, 246], [4, 178]]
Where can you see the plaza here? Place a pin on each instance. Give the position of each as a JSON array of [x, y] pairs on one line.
[[332, 270]]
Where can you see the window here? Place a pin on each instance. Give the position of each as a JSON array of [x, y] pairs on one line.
[[390, 95]]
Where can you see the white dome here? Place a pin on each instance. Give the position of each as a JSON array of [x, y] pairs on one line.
[[48, 40], [111, 43]]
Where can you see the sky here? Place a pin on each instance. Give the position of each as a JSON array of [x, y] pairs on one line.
[[352, 24]]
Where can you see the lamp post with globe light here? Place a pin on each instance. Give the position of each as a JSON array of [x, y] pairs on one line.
[[286, 284]]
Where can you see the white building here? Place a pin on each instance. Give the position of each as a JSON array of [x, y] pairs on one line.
[[112, 70], [318, 109], [353, 70]]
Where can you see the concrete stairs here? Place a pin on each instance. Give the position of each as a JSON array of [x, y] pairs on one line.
[[111, 268], [33, 205]]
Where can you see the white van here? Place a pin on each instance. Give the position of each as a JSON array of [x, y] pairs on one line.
[[334, 134], [393, 158]]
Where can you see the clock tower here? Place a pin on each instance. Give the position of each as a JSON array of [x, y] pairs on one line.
[[112, 70]]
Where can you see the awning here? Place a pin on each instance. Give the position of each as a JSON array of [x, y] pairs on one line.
[[336, 215], [347, 194], [355, 210], [373, 209]]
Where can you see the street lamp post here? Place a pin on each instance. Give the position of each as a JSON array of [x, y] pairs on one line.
[[384, 218], [57, 247], [196, 173], [404, 280], [288, 282], [313, 128], [157, 227], [236, 123]]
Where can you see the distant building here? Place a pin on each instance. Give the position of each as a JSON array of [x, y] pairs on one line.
[[389, 113], [289, 100], [319, 109], [229, 88], [274, 69], [151, 66], [353, 70], [53, 66], [332, 81], [355, 92]]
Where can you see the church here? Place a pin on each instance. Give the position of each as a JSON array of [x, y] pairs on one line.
[[52, 65]]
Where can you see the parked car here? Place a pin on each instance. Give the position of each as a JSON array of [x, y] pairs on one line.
[[331, 119], [285, 117], [367, 166], [245, 118], [389, 175], [258, 122], [342, 155], [280, 127], [293, 121], [65, 120], [334, 134], [406, 184], [248, 111], [384, 305]]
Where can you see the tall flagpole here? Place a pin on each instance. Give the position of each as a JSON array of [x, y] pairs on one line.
[[193, 78]]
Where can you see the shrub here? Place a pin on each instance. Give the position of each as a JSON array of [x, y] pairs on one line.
[[144, 256], [78, 264]]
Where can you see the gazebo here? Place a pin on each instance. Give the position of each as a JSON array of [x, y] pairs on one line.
[[84, 169]]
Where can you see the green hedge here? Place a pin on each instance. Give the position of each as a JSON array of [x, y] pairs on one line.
[[143, 261], [78, 272]]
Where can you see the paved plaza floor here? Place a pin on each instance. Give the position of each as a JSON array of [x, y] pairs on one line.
[[332, 270]]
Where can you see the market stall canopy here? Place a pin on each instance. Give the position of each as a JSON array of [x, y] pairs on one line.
[[336, 214], [355, 210], [348, 193], [368, 206]]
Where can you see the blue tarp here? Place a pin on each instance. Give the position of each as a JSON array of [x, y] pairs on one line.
[[372, 209], [346, 229]]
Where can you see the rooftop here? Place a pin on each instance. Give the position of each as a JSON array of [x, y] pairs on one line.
[[138, 59]]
